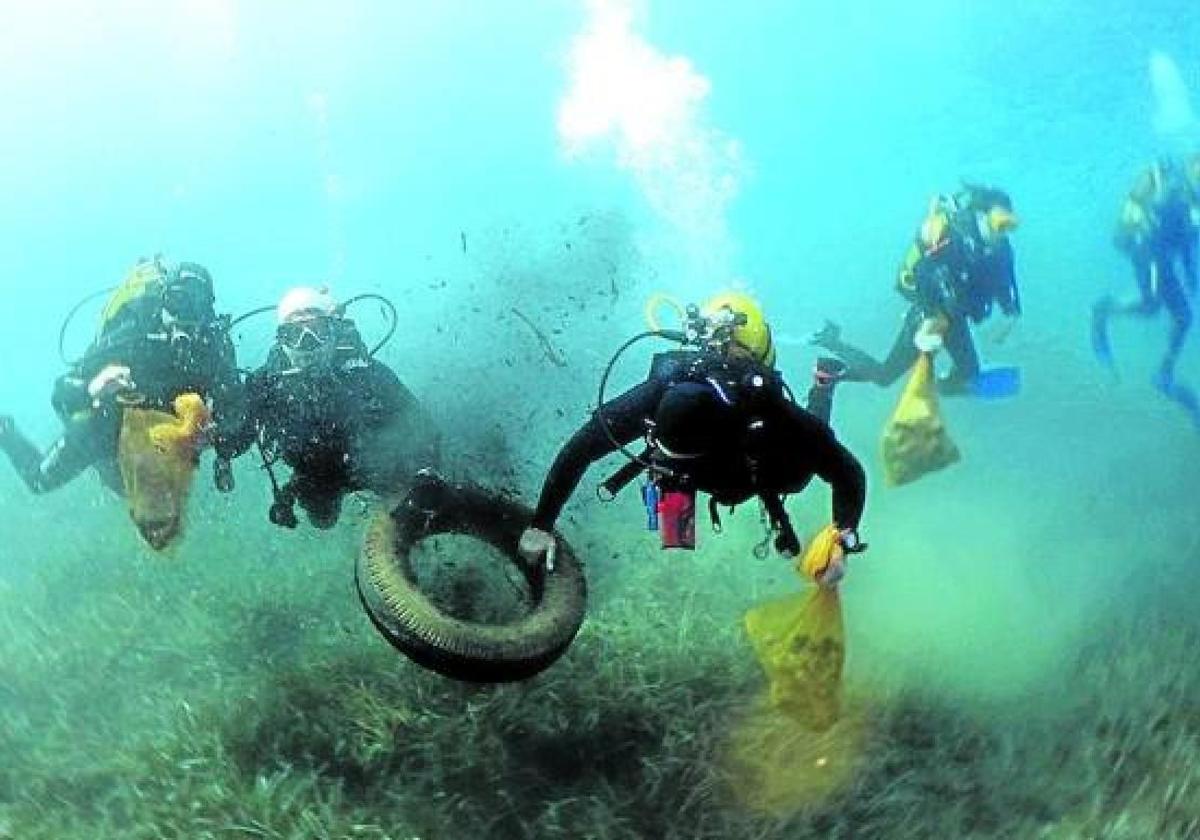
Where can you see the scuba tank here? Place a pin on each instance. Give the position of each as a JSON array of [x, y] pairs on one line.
[[669, 493]]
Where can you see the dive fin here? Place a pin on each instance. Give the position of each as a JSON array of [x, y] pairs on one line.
[[997, 383]]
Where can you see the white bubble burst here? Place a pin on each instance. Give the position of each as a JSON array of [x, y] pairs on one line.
[[1173, 114], [649, 108]]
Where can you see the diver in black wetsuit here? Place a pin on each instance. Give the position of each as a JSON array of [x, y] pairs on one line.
[[159, 337], [718, 421], [958, 268], [341, 420], [1157, 229]]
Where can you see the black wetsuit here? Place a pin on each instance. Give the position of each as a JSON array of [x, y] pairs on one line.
[[165, 359], [962, 282], [773, 447], [341, 428], [1165, 267]]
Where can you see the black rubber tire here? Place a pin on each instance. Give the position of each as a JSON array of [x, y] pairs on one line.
[[459, 649]]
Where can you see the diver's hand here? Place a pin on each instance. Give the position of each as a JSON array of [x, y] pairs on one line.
[[928, 338], [847, 543], [537, 546], [283, 515], [110, 383], [787, 543], [834, 570], [223, 474], [829, 337], [1001, 328]]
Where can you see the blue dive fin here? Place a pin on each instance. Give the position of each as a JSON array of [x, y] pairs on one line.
[[997, 383], [1181, 394]]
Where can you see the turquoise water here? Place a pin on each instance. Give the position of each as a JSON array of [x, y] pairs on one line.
[[569, 159]]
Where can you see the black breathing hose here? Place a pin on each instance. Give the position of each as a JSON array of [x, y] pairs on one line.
[[677, 336], [62, 330]]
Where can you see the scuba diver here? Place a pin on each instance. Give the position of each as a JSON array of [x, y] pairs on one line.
[[716, 418], [159, 337], [322, 404], [1157, 230], [958, 268]]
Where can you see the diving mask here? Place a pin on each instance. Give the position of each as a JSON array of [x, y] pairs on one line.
[[307, 334], [1001, 221], [308, 341]]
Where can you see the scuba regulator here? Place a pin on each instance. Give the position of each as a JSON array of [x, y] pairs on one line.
[[670, 509], [282, 510], [699, 331]]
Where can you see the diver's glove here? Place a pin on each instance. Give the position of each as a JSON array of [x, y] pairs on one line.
[[1000, 328], [223, 474], [847, 543], [109, 384], [829, 336], [537, 546], [929, 336], [283, 512], [283, 515]]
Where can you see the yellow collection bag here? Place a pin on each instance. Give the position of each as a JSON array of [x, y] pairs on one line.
[[800, 642], [158, 454], [915, 440]]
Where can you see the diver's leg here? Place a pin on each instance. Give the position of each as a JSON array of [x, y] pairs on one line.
[[961, 347], [1148, 274], [1190, 262], [863, 367], [1180, 311], [1145, 304], [70, 455], [1175, 300]]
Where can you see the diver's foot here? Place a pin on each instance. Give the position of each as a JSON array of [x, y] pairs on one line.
[[1164, 381], [1185, 397], [829, 371], [828, 337], [1101, 347]]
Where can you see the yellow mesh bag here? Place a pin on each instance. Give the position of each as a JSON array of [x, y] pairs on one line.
[[915, 440], [158, 454], [800, 642], [776, 767], [792, 750]]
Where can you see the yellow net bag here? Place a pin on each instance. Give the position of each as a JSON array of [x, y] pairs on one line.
[[791, 750], [158, 454], [915, 440], [800, 642]]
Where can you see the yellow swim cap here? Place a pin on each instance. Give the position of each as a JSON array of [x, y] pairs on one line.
[[753, 334]]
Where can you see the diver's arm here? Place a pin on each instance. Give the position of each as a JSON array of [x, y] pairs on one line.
[[1008, 294], [238, 412], [382, 395], [228, 391], [935, 293], [626, 418], [835, 464]]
